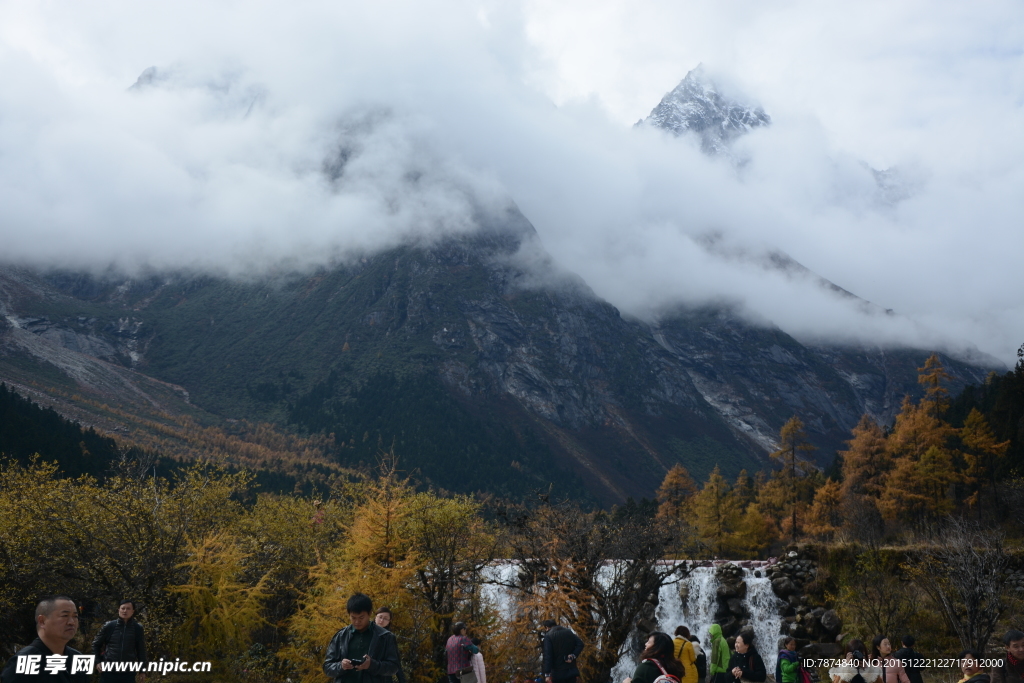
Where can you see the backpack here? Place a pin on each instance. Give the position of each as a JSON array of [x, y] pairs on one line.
[[702, 666], [665, 676]]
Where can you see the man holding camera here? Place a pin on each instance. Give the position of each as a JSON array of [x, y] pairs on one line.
[[362, 652]]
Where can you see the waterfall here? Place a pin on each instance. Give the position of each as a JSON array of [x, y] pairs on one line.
[[691, 602], [765, 615], [494, 592], [701, 603]]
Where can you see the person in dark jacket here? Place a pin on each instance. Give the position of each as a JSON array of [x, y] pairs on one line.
[[56, 624], [745, 664], [1012, 670], [120, 640], [658, 659], [562, 648], [910, 659], [702, 659], [383, 619], [362, 652]]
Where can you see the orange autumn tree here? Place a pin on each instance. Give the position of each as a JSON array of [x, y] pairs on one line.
[[793, 444], [918, 489], [825, 518], [866, 460], [983, 456], [717, 515], [676, 493]]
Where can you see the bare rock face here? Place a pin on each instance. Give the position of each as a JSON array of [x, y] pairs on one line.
[[556, 383]]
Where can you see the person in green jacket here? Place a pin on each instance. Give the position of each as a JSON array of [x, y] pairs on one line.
[[719, 656], [787, 668]]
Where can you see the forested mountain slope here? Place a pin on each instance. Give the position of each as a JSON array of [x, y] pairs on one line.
[[485, 371]]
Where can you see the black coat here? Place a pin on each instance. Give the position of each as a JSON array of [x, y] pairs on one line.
[[120, 641], [37, 647], [751, 663], [559, 643], [383, 654], [908, 657]]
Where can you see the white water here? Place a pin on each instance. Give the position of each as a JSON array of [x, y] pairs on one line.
[[496, 594], [765, 615], [696, 612], [702, 602]]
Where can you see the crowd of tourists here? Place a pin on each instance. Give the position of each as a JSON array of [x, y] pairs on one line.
[[682, 660], [366, 651]]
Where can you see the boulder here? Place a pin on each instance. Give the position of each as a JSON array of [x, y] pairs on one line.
[[726, 590], [831, 622], [783, 586], [736, 607], [646, 626]]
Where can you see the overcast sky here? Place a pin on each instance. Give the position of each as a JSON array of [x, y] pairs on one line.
[[437, 106]]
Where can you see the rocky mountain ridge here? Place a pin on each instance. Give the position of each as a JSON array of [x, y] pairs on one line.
[[452, 354]]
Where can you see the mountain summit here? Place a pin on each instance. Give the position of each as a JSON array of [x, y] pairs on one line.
[[696, 106]]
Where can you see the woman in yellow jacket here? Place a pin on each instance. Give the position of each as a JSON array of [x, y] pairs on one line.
[[685, 654]]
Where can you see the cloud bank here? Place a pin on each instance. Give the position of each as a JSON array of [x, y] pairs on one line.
[[274, 135]]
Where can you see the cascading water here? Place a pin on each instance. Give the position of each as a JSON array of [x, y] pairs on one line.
[[765, 616], [691, 602], [701, 603], [494, 591]]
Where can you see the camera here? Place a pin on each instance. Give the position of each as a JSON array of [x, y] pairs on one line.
[[359, 661]]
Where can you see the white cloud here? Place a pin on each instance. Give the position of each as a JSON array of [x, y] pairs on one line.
[[446, 104]]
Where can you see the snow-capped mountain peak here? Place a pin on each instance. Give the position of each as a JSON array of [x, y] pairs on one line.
[[696, 106]]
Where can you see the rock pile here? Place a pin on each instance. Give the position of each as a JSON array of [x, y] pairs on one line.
[[732, 613], [803, 620]]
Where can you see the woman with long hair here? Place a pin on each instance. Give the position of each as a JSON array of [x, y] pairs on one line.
[[656, 660], [892, 668], [855, 667]]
